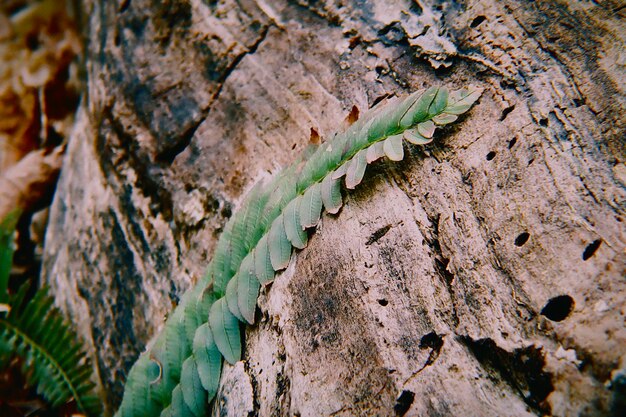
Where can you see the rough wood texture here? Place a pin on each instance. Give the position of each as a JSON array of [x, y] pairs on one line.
[[481, 276]]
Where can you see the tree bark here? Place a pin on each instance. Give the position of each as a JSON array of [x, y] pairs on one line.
[[483, 275]]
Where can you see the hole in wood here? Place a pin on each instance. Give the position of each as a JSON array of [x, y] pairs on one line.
[[506, 112], [491, 155], [558, 308], [477, 21], [591, 249], [522, 239], [431, 341], [403, 403]]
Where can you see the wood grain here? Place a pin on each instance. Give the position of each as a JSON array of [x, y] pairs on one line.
[[511, 219]]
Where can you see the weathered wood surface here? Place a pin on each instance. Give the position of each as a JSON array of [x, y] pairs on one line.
[[444, 287]]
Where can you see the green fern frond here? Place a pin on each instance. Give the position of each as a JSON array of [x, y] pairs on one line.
[[258, 242], [52, 357]]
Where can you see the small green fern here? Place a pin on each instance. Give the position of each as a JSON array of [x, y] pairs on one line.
[[34, 330], [179, 374]]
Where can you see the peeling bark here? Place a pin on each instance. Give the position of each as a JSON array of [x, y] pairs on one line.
[[483, 275]]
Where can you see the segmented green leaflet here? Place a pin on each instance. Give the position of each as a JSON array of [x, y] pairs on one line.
[[180, 374]]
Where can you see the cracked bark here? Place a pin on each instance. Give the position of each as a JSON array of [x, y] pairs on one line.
[[483, 275]]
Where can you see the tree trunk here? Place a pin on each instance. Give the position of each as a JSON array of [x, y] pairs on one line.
[[484, 275]]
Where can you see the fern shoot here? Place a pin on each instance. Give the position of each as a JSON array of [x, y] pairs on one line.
[[179, 375], [34, 330]]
